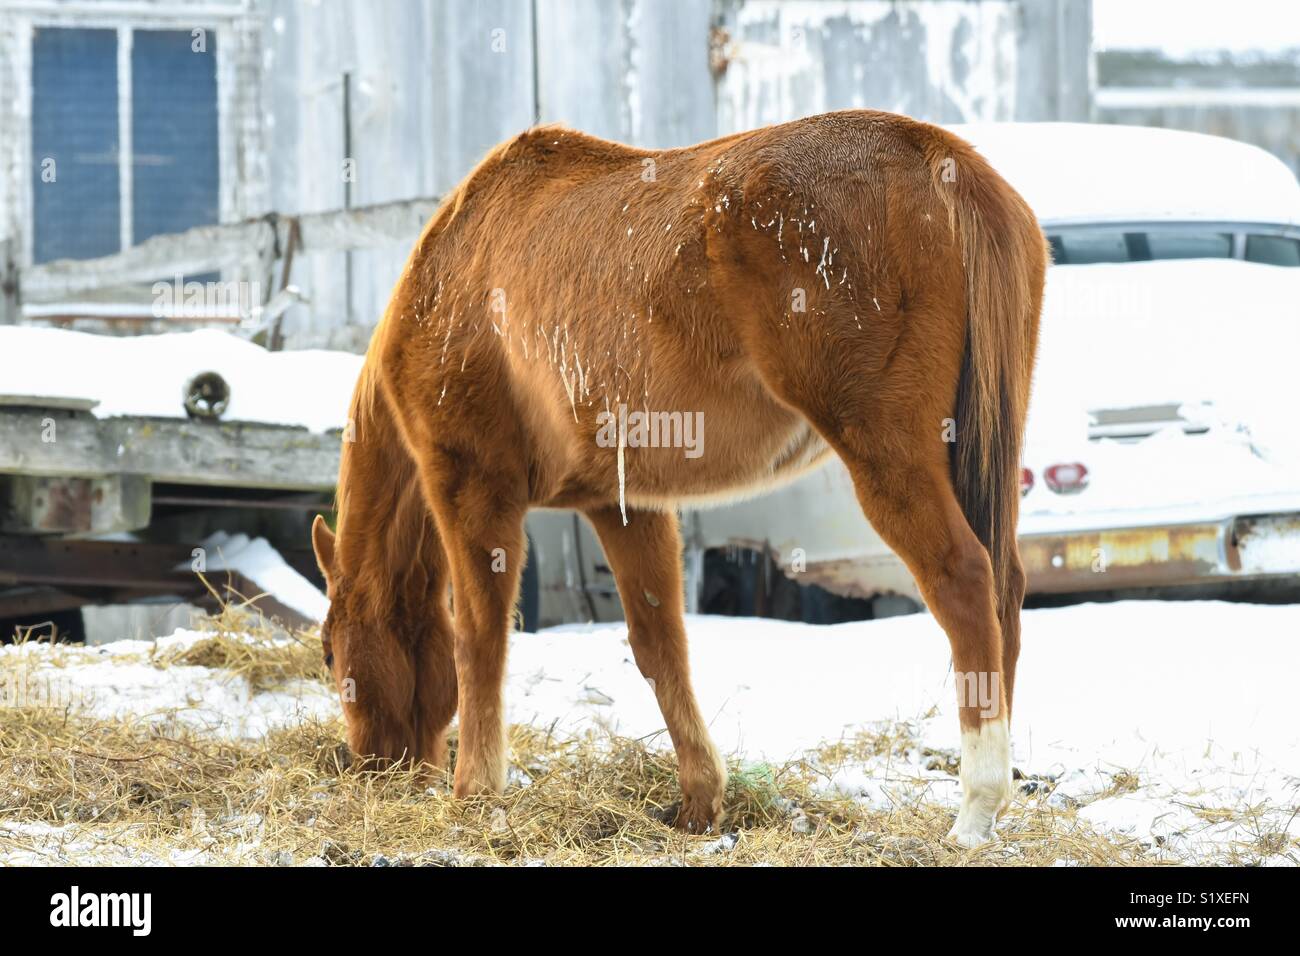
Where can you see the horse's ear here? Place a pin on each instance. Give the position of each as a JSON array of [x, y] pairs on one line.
[[322, 542]]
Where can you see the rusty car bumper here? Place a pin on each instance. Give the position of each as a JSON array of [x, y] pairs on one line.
[[1228, 549]]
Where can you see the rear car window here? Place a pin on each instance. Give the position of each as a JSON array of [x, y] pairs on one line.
[[1188, 245], [1087, 246], [1273, 250]]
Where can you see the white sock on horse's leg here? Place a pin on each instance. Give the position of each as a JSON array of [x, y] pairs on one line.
[[985, 781]]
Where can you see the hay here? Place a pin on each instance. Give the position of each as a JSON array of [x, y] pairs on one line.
[[246, 644], [155, 790], [595, 801]]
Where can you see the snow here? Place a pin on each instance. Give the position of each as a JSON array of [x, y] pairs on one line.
[[1121, 335], [1087, 677], [1193, 698], [1180, 28], [1098, 173], [1190, 706], [122, 680], [1217, 339], [70, 844], [146, 375], [1176, 97], [258, 561]]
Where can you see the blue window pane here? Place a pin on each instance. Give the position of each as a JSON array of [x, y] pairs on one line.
[[74, 123], [174, 132]]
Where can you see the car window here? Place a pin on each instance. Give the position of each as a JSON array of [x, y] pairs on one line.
[[1088, 246], [1273, 250], [1177, 244]]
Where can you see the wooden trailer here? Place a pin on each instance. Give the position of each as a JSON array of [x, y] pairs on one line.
[[111, 511]]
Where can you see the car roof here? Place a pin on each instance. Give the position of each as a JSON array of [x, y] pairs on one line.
[[1078, 173]]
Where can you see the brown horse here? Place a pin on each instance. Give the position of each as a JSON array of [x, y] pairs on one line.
[[857, 282]]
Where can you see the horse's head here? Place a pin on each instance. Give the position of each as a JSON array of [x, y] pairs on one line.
[[372, 669], [338, 623]]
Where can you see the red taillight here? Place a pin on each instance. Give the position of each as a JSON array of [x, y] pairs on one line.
[[1066, 478], [1026, 481]]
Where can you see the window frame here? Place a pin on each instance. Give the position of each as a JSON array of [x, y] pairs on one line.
[[236, 32]]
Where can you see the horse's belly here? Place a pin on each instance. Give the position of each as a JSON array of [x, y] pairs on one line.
[[746, 467], [707, 438]]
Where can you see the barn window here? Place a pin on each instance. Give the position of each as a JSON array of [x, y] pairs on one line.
[[124, 137], [75, 144]]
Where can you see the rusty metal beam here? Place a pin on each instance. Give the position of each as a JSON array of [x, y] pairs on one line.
[[45, 504], [25, 601], [100, 564], [121, 571]]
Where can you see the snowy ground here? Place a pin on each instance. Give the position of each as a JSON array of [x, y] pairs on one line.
[[1175, 723]]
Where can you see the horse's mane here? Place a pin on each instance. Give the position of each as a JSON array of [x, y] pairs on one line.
[[387, 542]]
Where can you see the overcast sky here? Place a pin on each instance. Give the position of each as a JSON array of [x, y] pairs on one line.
[[1184, 26]]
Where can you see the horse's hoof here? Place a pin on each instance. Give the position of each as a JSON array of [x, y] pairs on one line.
[[467, 786], [699, 816], [970, 837]]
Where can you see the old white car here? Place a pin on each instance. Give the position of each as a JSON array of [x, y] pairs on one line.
[[1162, 452]]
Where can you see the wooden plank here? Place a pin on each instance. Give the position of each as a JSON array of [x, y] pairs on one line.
[[367, 227], [63, 402], [193, 252], [482, 84], [22, 602], [178, 451], [1054, 61], [232, 245], [645, 78], [779, 61]]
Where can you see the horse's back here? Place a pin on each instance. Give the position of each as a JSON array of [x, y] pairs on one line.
[[569, 276]]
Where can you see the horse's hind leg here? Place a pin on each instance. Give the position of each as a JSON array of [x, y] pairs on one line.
[[913, 507], [894, 449], [645, 556]]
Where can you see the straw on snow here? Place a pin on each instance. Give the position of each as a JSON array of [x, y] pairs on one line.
[[78, 789]]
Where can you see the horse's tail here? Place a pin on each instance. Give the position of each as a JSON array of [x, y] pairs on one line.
[[1005, 258]]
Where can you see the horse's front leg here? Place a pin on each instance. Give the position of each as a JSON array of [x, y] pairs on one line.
[[435, 670], [645, 556], [483, 537]]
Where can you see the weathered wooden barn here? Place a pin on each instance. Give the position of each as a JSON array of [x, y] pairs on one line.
[[191, 113], [292, 149], [1252, 96]]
